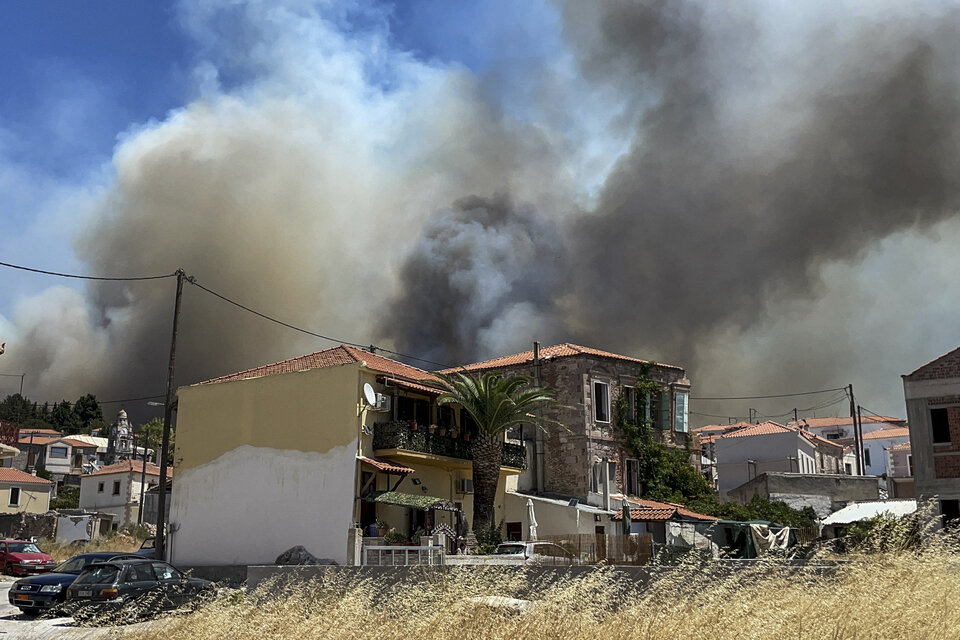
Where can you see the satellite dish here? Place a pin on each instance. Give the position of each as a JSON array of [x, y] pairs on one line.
[[369, 394]]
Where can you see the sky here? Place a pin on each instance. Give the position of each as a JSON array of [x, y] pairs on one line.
[[763, 196]]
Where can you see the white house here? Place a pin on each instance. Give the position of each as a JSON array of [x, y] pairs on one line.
[[745, 453], [841, 428], [875, 446], [116, 489]]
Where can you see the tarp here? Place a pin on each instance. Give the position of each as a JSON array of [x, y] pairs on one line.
[[414, 501], [765, 539]]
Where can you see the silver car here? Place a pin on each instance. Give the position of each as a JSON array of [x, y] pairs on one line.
[[540, 553]]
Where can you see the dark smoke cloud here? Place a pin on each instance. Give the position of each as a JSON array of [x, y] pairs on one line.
[[711, 214], [483, 275]]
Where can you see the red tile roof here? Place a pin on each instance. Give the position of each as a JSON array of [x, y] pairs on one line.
[[46, 432], [334, 357], [819, 423], [895, 432], [903, 446], [564, 350], [762, 429], [413, 386], [655, 511], [131, 466], [9, 474], [382, 465], [712, 429], [45, 440]]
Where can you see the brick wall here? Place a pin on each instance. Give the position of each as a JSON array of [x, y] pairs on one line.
[[947, 466], [947, 366]]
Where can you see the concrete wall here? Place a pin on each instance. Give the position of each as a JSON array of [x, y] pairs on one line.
[[826, 493], [34, 498], [267, 463], [553, 519]]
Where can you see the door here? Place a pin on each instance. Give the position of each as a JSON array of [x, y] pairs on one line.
[[174, 584], [140, 583]]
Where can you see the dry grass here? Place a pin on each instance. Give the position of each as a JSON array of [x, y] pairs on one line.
[[901, 595], [119, 543]]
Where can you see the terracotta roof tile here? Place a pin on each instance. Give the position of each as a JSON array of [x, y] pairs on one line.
[[762, 429], [547, 353], [819, 423], [9, 474], [655, 511], [45, 440], [46, 432], [130, 466], [385, 466], [896, 432], [334, 357], [903, 446]]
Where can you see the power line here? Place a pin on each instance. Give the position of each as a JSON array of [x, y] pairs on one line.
[[84, 277], [779, 395]]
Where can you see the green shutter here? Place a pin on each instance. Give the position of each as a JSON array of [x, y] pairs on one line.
[[680, 415], [664, 410]]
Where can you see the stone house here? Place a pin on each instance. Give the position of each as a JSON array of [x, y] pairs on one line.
[[932, 397], [588, 460]]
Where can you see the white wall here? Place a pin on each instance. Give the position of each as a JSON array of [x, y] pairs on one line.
[[124, 506], [879, 458], [788, 451], [253, 503]]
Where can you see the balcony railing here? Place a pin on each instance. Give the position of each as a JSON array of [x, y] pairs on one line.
[[400, 435]]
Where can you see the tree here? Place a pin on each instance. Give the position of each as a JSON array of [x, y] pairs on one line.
[[67, 498], [154, 432], [64, 419], [495, 403], [88, 413]]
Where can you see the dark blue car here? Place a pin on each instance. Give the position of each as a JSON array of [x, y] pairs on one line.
[[36, 593]]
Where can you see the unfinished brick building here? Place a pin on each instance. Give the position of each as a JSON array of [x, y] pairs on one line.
[[587, 460], [932, 395]]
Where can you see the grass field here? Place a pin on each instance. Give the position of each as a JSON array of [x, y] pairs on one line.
[[903, 595]]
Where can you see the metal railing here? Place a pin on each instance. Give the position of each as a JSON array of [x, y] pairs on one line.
[[402, 555], [399, 434]]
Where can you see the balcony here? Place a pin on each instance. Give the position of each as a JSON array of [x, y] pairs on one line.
[[400, 435]]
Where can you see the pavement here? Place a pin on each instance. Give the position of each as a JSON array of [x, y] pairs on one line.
[[13, 624]]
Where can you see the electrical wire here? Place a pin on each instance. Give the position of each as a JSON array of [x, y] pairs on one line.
[[84, 277], [779, 395]]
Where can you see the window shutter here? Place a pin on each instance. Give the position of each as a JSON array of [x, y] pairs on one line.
[[664, 410], [680, 415]]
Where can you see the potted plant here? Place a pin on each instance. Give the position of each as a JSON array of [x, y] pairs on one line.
[[381, 527], [394, 538], [413, 425], [432, 428], [443, 430]]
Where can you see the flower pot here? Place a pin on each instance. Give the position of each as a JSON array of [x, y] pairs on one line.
[[443, 432], [413, 426], [432, 428], [381, 531]]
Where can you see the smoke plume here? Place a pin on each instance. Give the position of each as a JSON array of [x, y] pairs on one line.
[[339, 183]]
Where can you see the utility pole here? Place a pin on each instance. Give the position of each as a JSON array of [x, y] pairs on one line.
[[857, 444], [859, 428], [167, 416], [538, 457], [795, 419]]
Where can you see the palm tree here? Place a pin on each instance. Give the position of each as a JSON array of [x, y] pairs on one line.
[[496, 403]]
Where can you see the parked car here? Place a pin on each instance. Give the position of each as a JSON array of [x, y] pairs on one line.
[[32, 595], [133, 588], [534, 552], [23, 558], [148, 548]]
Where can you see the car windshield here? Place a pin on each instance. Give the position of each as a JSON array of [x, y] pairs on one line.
[[76, 564], [509, 549], [22, 547], [103, 574]]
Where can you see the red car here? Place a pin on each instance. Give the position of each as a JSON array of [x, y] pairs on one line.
[[23, 558]]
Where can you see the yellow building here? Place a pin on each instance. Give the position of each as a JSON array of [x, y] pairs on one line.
[[21, 492], [301, 451]]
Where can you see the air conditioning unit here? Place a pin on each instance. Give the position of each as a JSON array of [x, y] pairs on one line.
[[466, 485], [383, 402]]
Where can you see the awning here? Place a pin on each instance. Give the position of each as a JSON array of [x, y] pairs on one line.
[[7, 451], [413, 501], [386, 467]]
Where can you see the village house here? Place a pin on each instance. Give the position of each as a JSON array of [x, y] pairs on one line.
[[300, 452], [586, 461], [61, 456], [900, 472], [875, 445], [116, 489], [932, 397], [743, 451], [21, 492], [841, 428]]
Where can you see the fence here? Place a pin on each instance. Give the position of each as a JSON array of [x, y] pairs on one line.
[[621, 549], [402, 555]]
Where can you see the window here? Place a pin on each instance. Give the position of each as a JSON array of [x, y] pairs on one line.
[[680, 415], [58, 452], [14, 496], [166, 573], [833, 436], [848, 468], [596, 477], [99, 487], [601, 401], [630, 400], [866, 457], [941, 426], [632, 479], [116, 487]]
